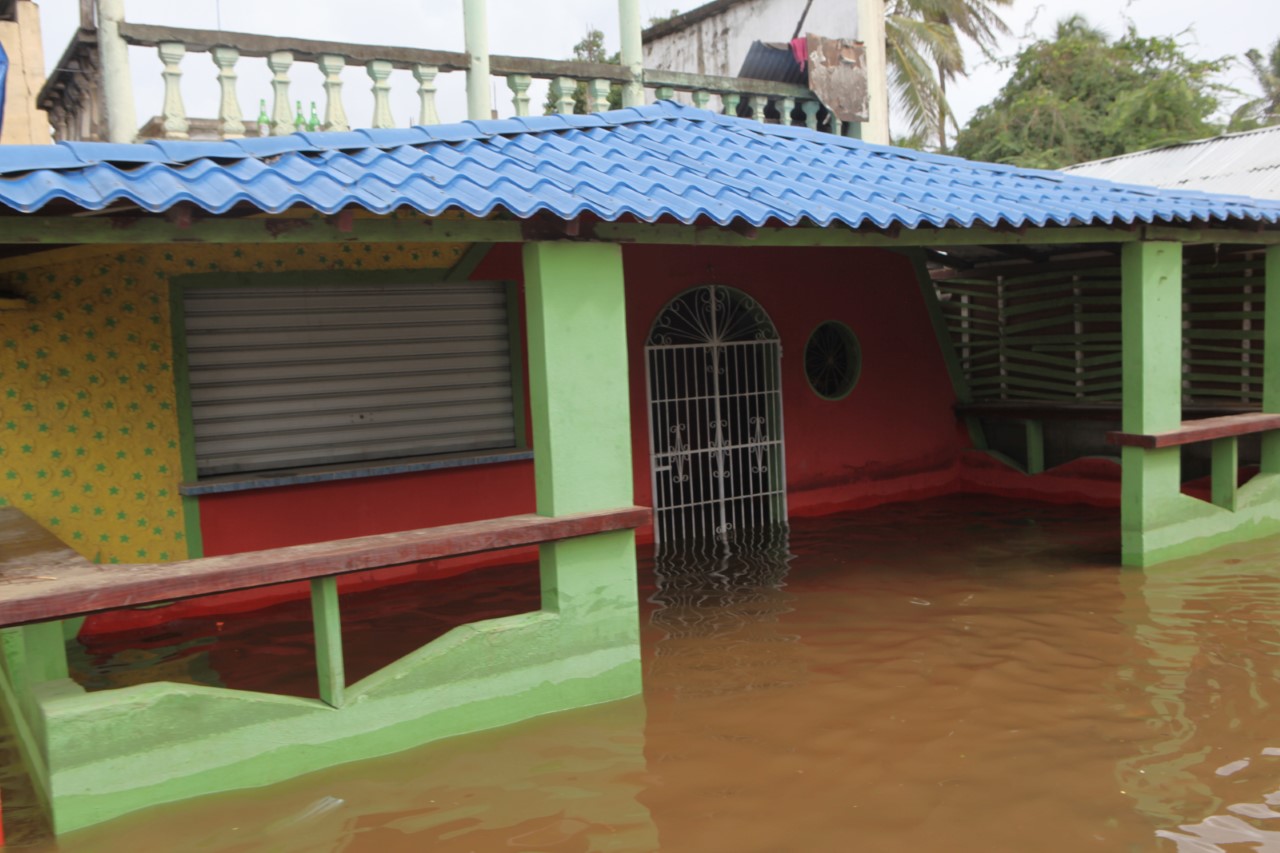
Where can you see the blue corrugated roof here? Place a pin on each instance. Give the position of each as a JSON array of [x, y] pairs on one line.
[[659, 161]]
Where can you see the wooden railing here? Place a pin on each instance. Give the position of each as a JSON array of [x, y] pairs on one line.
[[41, 579], [761, 99]]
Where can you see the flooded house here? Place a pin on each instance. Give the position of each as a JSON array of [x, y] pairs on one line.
[[292, 367]]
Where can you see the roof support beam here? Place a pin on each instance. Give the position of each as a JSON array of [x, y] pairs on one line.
[[63, 230]]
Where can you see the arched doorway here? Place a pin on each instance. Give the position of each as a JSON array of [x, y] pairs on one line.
[[712, 372]]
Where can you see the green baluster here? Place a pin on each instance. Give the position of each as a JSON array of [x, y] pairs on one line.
[[314, 122], [264, 118]]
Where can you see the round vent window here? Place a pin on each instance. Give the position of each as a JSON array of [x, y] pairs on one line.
[[832, 360]]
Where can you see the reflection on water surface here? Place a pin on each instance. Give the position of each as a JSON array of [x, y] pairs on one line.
[[958, 675]]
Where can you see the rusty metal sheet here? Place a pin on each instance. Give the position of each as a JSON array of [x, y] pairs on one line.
[[838, 76]]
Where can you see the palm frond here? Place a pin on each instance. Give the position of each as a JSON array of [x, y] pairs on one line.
[[911, 76]]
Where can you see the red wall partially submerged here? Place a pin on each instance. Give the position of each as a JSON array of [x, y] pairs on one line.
[[893, 437]]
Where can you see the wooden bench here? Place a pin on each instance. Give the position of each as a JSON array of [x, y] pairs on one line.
[[1036, 410], [1202, 429], [1202, 420], [41, 579]]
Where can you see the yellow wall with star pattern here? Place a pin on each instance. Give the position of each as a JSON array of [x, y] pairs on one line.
[[89, 441]]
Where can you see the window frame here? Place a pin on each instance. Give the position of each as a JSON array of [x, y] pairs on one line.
[[851, 338]]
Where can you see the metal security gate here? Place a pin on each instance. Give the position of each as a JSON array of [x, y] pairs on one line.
[[712, 370]]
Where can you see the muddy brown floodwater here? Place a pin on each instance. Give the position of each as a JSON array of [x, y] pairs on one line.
[[957, 675]]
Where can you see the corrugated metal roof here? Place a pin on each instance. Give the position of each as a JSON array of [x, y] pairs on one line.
[[1247, 163], [661, 161]]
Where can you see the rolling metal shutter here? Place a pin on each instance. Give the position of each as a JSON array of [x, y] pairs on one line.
[[285, 377]]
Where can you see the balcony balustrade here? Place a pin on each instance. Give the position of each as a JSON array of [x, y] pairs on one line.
[[75, 107]]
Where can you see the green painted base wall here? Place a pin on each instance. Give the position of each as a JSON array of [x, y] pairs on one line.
[[1185, 526], [112, 752]]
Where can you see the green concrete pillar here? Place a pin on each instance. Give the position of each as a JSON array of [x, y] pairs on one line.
[[1271, 359], [1151, 305], [582, 433]]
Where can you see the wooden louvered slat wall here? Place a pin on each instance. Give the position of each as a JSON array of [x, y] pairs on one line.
[[286, 377], [1039, 334], [1052, 331], [1222, 337]]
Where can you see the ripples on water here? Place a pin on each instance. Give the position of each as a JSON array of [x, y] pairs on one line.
[[957, 675]]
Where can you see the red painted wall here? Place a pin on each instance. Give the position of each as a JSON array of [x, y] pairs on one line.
[[894, 437]]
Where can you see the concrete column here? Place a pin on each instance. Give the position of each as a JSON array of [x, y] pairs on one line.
[[475, 18], [1271, 359], [117, 84], [582, 435], [632, 52], [1151, 332], [871, 33], [578, 376]]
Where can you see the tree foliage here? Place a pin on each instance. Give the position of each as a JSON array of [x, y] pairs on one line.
[[1263, 111], [922, 41], [589, 49], [1081, 96]]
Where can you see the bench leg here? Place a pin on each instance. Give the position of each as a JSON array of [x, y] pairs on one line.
[[1226, 462], [326, 620], [1035, 446]]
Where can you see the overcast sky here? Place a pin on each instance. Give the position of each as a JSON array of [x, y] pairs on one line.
[[549, 28]]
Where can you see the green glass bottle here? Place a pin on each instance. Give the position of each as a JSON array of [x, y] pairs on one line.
[[314, 122], [264, 120], [300, 120]]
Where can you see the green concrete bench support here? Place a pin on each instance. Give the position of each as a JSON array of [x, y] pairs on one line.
[[95, 756], [1158, 522], [327, 619]]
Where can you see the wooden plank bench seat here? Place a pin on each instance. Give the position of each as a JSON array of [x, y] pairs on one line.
[[1204, 422], [1037, 410], [41, 579], [1203, 429]]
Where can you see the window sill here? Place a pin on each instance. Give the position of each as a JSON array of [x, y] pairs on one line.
[[351, 471]]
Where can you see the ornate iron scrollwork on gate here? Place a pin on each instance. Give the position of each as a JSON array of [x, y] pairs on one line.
[[715, 409]]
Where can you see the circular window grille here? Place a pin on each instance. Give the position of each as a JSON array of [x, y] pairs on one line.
[[832, 360]]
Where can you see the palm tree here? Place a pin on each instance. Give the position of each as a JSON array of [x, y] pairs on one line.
[[923, 50], [1264, 111]]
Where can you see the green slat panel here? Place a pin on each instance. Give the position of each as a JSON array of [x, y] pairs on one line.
[[1215, 269], [1248, 396], [1091, 337], [1224, 378], [1061, 375], [1222, 362], [1220, 334], [1068, 301], [1016, 329], [1192, 317]]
